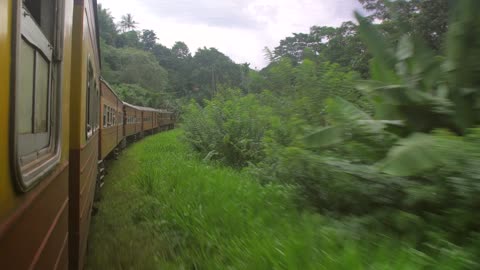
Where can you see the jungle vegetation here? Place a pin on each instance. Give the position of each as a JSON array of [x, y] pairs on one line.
[[373, 126]]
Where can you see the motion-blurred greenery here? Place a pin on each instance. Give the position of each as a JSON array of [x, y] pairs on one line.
[[357, 147], [398, 153], [164, 208]]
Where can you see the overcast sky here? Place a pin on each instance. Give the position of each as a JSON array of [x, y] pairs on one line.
[[238, 28]]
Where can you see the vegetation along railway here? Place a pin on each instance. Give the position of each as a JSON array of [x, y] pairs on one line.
[[58, 121]]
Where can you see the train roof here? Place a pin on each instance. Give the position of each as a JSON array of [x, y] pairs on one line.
[[145, 109], [110, 87]]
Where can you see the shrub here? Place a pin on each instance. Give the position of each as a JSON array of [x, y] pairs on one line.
[[229, 128]]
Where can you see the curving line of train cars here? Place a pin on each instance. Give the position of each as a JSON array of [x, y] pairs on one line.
[[122, 122], [58, 121]]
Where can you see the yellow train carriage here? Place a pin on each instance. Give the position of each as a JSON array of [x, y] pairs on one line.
[[35, 48], [84, 126]]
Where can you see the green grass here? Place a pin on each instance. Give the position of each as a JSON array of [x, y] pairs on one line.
[[164, 208]]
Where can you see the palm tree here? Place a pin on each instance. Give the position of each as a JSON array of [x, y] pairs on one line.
[[127, 23]]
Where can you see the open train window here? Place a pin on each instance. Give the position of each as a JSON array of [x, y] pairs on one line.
[[109, 116], [90, 101], [38, 46], [95, 103], [104, 115]]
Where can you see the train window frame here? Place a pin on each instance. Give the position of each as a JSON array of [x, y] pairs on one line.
[[36, 150], [104, 115], [90, 97], [109, 116]]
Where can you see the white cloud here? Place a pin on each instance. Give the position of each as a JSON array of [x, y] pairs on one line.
[[240, 29]]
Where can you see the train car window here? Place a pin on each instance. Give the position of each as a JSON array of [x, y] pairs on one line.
[[94, 105], [25, 95], [41, 96], [104, 115], [37, 41], [89, 101], [108, 116], [97, 108], [43, 12]]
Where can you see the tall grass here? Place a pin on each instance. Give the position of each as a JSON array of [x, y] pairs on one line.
[[164, 208]]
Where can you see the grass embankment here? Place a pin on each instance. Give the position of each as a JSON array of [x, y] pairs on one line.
[[163, 208]]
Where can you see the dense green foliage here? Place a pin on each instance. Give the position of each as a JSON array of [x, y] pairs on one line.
[[398, 153], [162, 76], [163, 208], [343, 45], [371, 128]]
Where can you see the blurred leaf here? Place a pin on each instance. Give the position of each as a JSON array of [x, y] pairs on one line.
[[415, 154], [405, 48], [326, 136], [375, 42]]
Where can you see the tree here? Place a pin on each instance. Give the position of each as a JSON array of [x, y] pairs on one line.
[[133, 66], [127, 23], [128, 39], [148, 39], [212, 69], [268, 54], [425, 18], [293, 47], [180, 50], [346, 48], [108, 29], [164, 56]]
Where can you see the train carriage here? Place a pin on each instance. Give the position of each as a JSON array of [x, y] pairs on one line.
[[35, 48], [111, 126], [133, 120], [147, 120], [58, 118], [166, 120], [147, 116], [84, 127], [49, 120]]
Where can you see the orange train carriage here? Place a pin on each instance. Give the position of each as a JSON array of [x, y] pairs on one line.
[[133, 121], [111, 126], [141, 121], [53, 130], [166, 120], [148, 119]]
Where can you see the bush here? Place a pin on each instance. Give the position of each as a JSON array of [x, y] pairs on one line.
[[412, 167], [229, 128]]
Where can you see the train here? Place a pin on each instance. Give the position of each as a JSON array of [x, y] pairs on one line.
[[59, 122]]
